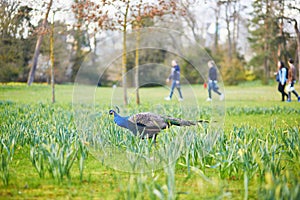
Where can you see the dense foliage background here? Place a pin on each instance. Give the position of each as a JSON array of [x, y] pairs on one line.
[[245, 39]]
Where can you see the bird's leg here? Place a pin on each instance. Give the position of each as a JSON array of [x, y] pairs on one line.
[[154, 139]]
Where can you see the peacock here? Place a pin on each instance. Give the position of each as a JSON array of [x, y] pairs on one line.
[[147, 124]]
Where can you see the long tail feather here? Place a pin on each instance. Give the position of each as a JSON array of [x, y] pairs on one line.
[[178, 122], [181, 122]]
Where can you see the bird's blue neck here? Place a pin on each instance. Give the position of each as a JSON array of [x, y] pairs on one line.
[[121, 121]]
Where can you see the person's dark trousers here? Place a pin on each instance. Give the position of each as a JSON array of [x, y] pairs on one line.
[[174, 84], [212, 86], [281, 90]]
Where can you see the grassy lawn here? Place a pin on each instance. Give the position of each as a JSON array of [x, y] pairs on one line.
[[257, 155]]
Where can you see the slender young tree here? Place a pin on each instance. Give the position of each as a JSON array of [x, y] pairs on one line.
[[52, 58], [217, 9], [217, 18], [138, 38], [228, 22], [137, 24], [38, 45]]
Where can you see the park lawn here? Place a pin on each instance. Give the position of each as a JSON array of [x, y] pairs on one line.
[[252, 108], [240, 99]]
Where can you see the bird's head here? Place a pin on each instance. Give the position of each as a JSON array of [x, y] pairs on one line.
[[112, 112]]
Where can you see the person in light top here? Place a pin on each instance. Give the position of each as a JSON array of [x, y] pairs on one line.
[[281, 77]]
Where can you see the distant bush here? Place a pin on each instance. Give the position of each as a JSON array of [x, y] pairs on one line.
[[233, 72]]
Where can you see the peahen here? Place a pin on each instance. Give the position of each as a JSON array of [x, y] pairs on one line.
[[148, 125]]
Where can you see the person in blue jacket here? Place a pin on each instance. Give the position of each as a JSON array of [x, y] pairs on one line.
[[281, 77], [175, 77]]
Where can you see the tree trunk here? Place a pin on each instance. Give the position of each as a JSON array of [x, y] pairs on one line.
[[217, 24], [282, 43], [228, 31], [124, 57], [52, 59], [298, 47], [138, 35], [266, 46], [216, 34], [236, 25], [37, 47], [279, 44]]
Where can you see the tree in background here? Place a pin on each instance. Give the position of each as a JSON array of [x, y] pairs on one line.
[[226, 55], [38, 45], [298, 45], [232, 10], [191, 18], [274, 33], [282, 41], [297, 32], [144, 18], [52, 58], [217, 24], [269, 37], [15, 48], [264, 31], [123, 15], [62, 53], [233, 70], [81, 45]]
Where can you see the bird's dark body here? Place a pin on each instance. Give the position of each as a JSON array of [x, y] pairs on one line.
[[146, 124]]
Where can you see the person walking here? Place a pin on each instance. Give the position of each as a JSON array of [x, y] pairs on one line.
[[175, 77], [213, 81], [281, 77], [291, 81]]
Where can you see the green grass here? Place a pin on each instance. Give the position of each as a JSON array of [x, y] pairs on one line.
[[259, 148]]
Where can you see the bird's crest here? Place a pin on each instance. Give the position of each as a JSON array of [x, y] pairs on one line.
[[117, 108]]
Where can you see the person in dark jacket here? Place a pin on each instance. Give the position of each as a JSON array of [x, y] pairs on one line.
[[281, 78], [291, 81], [213, 80], [175, 77]]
